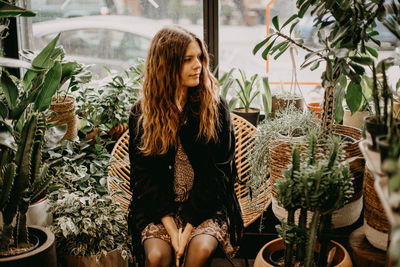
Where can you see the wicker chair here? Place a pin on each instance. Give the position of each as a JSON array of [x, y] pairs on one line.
[[252, 208]]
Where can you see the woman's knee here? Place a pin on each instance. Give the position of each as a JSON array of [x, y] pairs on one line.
[[204, 246], [156, 257]]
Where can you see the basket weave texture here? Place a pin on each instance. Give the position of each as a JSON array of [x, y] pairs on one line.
[[252, 208], [280, 158], [64, 108], [374, 213]]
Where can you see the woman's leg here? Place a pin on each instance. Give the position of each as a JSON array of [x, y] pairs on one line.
[[200, 250], [158, 253]]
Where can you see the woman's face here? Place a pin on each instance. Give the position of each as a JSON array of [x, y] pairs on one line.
[[191, 68]]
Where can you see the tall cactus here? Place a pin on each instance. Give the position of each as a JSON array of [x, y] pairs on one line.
[[21, 181]]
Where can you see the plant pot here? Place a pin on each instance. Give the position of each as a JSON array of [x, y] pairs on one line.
[[111, 259], [64, 108], [376, 224], [340, 259], [43, 255], [356, 120], [280, 158], [118, 130], [315, 108], [251, 116], [396, 107], [280, 104], [37, 213], [373, 130], [382, 146]]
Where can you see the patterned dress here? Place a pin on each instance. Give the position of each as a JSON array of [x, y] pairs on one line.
[[182, 185]]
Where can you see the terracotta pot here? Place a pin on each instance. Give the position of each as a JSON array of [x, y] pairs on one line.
[[64, 109], [315, 108], [93, 134], [118, 130], [111, 259], [251, 116], [43, 255], [396, 107], [341, 258], [355, 120]]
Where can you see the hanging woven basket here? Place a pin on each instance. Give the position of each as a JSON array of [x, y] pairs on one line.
[[64, 113]]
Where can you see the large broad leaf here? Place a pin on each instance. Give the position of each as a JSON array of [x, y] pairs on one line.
[[10, 90], [10, 10], [339, 112], [354, 96], [67, 71], [49, 88], [266, 96], [14, 63], [44, 60], [3, 110]]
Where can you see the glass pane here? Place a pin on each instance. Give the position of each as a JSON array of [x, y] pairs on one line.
[[110, 33]]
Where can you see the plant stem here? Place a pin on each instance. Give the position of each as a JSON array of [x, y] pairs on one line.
[[289, 244], [301, 246], [324, 229], [298, 45], [312, 239]]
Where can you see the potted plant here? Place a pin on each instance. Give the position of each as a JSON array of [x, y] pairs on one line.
[[248, 90], [318, 184], [24, 176], [355, 117], [289, 125], [90, 228], [103, 106], [343, 39]]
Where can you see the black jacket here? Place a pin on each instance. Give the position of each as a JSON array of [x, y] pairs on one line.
[[213, 163]]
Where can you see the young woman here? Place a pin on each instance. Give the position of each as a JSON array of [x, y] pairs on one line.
[[181, 152]]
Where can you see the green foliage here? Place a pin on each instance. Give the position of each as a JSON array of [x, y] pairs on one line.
[[317, 182], [266, 97], [343, 29], [226, 83], [106, 103], [248, 89], [9, 10], [86, 223], [287, 125]]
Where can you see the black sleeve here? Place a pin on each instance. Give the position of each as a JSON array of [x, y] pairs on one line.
[[150, 202]]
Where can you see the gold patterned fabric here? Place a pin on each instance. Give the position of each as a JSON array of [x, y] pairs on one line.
[[182, 185]]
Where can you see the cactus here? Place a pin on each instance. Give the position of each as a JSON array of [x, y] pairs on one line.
[[315, 182], [21, 181]]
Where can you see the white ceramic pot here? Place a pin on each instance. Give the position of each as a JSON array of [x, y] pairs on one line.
[[356, 120], [37, 213]]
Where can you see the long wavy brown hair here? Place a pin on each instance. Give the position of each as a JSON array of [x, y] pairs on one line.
[[161, 94]]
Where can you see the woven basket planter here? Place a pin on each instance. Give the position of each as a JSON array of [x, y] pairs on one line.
[[64, 109], [280, 158], [376, 225]]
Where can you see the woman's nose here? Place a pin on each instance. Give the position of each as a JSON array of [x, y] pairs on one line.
[[197, 64]]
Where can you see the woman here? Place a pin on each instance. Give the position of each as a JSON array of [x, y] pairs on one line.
[[182, 158]]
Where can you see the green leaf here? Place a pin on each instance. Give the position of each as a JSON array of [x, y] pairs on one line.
[[282, 50], [289, 20], [343, 81], [372, 51], [398, 84], [10, 90], [10, 10], [266, 96], [275, 22], [315, 65], [293, 26], [354, 96], [362, 60], [261, 44], [44, 60], [266, 50], [357, 68], [3, 110], [49, 88], [67, 71], [28, 78]]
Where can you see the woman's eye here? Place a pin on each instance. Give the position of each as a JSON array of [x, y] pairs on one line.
[[186, 60]]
